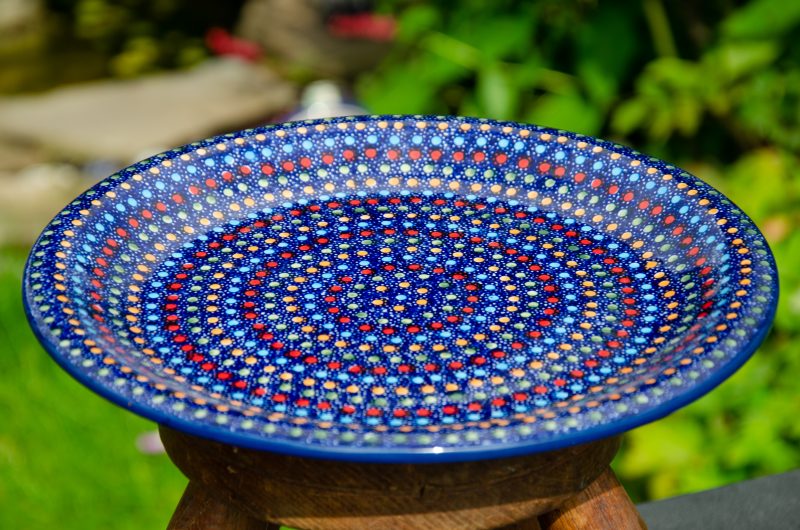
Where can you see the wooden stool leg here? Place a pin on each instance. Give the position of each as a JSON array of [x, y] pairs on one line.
[[603, 505], [528, 524], [199, 510]]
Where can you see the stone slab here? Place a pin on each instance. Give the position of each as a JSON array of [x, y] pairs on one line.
[[765, 503], [123, 119]]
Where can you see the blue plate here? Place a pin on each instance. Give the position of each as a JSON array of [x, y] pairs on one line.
[[401, 289]]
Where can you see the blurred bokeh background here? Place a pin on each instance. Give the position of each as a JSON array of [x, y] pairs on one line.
[[89, 86]]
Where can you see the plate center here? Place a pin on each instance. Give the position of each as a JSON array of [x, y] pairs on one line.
[[405, 308]]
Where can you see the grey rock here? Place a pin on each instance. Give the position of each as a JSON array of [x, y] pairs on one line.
[[121, 119], [771, 502], [30, 197], [15, 156], [17, 15]]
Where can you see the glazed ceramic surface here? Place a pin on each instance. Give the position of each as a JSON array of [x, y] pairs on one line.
[[401, 289]]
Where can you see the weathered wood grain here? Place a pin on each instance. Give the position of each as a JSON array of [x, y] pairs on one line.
[[604, 505], [200, 509], [331, 495]]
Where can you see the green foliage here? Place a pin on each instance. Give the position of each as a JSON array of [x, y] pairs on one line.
[[132, 33], [67, 458], [713, 87], [537, 62], [133, 37]]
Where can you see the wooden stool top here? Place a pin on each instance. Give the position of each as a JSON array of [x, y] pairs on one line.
[[245, 485]]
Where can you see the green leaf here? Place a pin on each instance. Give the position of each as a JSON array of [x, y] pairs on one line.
[[771, 171], [787, 254], [397, 92], [498, 37], [762, 18], [687, 112], [599, 84], [629, 116], [566, 111], [609, 42], [675, 439], [497, 94], [737, 59], [677, 75], [453, 50], [417, 20]]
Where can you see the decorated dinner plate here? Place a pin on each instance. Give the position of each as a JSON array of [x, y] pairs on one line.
[[401, 289]]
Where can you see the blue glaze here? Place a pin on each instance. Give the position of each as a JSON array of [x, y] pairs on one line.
[[401, 289]]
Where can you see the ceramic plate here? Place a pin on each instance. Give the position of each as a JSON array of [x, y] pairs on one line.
[[401, 289]]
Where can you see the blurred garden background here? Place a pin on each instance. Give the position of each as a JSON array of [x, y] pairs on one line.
[[89, 86]]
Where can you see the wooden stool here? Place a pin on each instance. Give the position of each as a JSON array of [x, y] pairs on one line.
[[232, 488]]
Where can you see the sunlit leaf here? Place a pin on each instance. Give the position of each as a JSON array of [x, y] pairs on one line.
[[762, 18], [734, 60], [452, 49], [565, 111], [687, 112], [398, 92], [417, 20], [629, 116], [499, 37], [496, 92], [599, 84], [671, 439]]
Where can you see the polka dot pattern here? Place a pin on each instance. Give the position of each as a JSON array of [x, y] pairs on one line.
[[401, 288]]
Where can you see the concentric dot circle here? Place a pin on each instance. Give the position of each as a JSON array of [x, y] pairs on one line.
[[390, 299], [390, 288]]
